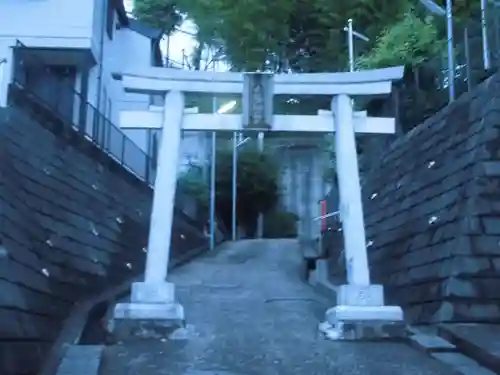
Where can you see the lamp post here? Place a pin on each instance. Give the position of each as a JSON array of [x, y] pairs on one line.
[[212, 180], [223, 109], [236, 143]]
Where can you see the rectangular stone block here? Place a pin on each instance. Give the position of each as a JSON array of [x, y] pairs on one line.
[[149, 311], [81, 360], [143, 292], [364, 313], [360, 295], [142, 321]]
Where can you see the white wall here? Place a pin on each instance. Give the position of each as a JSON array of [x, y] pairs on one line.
[[139, 50], [303, 186], [194, 149], [42, 23], [126, 50], [6, 59], [47, 23]]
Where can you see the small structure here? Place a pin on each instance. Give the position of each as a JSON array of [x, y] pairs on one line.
[[359, 301]]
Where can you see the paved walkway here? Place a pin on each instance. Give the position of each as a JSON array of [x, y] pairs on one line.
[[250, 314]]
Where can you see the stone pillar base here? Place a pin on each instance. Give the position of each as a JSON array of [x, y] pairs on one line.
[[360, 314], [151, 313]]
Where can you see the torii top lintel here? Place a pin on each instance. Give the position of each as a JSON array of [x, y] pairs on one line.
[[365, 82]]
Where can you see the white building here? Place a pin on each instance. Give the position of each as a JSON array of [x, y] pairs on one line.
[[65, 51]]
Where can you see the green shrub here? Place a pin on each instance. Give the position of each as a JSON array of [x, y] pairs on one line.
[[280, 224]]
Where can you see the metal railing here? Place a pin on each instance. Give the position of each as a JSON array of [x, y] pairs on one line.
[[53, 87]]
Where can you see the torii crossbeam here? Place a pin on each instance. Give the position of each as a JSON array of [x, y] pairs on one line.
[[358, 301]]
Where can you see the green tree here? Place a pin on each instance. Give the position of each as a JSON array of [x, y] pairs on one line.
[[257, 34], [409, 41], [415, 43], [161, 14], [257, 185]]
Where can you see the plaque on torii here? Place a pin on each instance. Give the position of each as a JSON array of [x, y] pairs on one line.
[[358, 300]]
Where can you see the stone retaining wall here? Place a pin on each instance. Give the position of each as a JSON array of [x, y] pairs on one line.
[[72, 223], [432, 211]]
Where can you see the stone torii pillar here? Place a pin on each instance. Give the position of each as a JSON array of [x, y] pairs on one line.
[[358, 302], [152, 302]]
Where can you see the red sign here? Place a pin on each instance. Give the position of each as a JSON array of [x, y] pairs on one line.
[[323, 214]]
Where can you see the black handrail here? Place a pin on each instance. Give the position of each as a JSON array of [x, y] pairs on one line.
[[47, 83]]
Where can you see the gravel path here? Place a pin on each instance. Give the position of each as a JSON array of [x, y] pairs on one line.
[[249, 313]]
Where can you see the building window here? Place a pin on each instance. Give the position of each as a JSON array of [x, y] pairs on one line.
[[110, 19]]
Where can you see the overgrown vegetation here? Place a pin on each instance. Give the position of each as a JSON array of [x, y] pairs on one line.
[[410, 41]]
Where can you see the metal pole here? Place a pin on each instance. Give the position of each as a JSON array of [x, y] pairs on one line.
[[451, 59], [486, 50], [234, 187], [350, 43], [168, 51], [212, 181], [260, 219], [467, 59]]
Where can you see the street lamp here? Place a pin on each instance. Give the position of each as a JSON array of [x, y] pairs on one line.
[[222, 109], [236, 144]]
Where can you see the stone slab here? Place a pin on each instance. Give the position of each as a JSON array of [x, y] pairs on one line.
[[431, 343], [132, 321], [364, 323], [145, 292], [360, 295], [149, 311], [81, 360], [364, 330], [478, 341], [464, 365], [128, 330], [355, 313]]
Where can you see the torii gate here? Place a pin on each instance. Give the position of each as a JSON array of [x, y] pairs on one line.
[[358, 301]]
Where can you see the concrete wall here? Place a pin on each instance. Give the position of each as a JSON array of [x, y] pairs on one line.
[[130, 43], [303, 186], [48, 23], [72, 224], [432, 211]]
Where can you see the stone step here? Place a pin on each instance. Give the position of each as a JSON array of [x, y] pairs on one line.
[[463, 364], [430, 343], [480, 342], [446, 352]]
